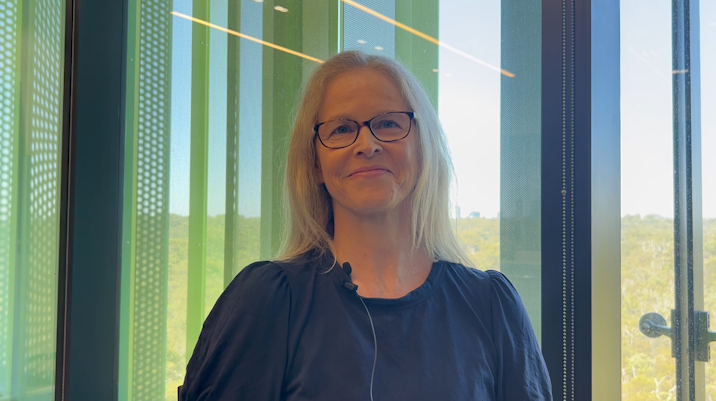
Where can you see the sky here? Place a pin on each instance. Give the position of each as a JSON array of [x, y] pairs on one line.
[[646, 103], [469, 103]]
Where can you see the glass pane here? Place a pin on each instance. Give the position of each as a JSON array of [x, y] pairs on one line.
[[708, 181], [31, 105], [209, 112], [647, 206]]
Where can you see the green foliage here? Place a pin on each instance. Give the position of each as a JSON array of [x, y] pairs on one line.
[[710, 299], [648, 370], [480, 238], [647, 286], [247, 251], [176, 309]]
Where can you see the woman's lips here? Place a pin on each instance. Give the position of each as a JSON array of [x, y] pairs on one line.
[[369, 173]]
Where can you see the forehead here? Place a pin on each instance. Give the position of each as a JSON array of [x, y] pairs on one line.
[[360, 94]]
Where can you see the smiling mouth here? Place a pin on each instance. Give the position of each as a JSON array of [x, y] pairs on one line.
[[376, 171]]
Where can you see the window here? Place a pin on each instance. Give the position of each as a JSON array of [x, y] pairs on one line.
[[211, 92], [654, 211]]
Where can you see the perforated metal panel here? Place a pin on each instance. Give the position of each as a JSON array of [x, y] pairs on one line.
[[39, 187], [362, 31], [8, 164], [152, 200], [520, 154]]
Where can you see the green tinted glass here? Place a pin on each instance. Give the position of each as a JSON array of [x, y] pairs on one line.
[[32, 36]]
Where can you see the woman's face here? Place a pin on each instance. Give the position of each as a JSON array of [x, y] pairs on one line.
[[393, 166]]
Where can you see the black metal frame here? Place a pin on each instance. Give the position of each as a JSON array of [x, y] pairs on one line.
[[368, 124], [688, 237], [64, 289], [580, 189], [91, 221]]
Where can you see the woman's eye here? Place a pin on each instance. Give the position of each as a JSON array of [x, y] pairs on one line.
[[343, 129], [388, 124]]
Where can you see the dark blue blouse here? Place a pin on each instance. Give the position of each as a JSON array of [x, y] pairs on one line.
[[294, 332]]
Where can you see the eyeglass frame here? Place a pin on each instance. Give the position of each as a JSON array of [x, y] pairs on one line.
[[410, 114]]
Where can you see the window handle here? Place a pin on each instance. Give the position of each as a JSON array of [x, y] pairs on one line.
[[654, 325]]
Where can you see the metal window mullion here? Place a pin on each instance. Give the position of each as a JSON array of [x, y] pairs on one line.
[[682, 303], [567, 197], [688, 237], [335, 12], [198, 175], [233, 84], [697, 271], [129, 215], [96, 109]]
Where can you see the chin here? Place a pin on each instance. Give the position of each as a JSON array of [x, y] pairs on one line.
[[373, 205]]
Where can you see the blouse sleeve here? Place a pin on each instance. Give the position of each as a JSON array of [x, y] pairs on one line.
[[522, 372], [241, 353]]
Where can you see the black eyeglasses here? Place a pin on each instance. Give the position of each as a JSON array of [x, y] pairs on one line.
[[388, 127]]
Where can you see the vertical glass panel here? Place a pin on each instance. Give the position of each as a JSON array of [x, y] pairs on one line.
[[658, 127], [469, 99], [489, 92], [31, 105], [211, 100], [647, 197], [708, 180]]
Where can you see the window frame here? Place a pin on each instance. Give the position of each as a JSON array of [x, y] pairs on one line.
[[89, 302], [90, 265]]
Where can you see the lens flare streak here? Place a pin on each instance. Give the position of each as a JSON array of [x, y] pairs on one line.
[[426, 37], [247, 37]]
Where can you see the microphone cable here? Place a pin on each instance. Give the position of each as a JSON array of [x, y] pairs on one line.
[[375, 346], [349, 285]]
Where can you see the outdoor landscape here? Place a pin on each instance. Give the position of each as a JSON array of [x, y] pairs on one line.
[[647, 286]]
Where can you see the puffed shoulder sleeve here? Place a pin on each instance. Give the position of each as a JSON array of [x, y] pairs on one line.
[[523, 373], [241, 353]]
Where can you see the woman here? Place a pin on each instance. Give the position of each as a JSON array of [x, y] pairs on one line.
[[371, 298]]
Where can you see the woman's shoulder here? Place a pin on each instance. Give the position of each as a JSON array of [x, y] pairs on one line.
[[256, 286], [272, 279], [487, 284], [475, 276], [468, 277], [257, 277], [245, 333], [270, 273]]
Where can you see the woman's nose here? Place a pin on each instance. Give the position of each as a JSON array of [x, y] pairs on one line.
[[366, 144]]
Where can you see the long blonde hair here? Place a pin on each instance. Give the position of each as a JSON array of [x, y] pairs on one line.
[[308, 209]]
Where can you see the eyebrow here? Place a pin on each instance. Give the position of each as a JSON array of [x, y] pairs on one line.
[[345, 117], [339, 117]]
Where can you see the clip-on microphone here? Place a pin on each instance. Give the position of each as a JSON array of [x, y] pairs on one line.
[[349, 284]]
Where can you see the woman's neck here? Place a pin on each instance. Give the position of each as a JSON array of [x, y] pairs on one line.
[[378, 248]]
